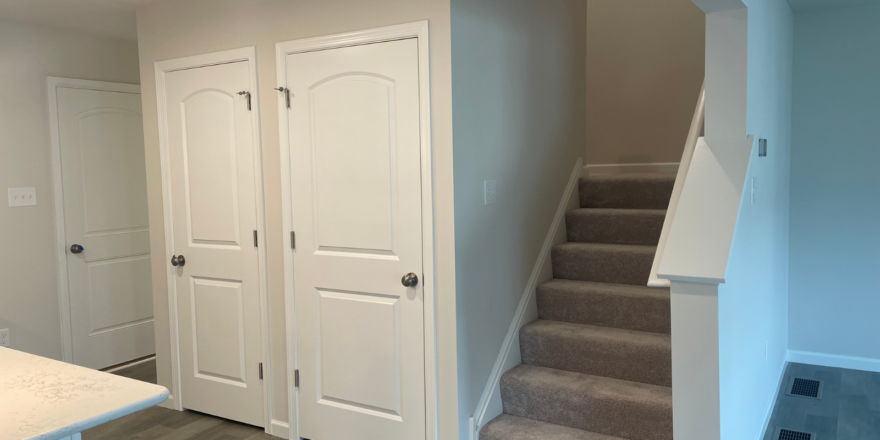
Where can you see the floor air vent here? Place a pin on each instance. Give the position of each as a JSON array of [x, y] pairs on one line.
[[789, 434], [805, 388]]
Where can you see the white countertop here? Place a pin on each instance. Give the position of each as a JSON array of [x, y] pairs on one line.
[[44, 399]]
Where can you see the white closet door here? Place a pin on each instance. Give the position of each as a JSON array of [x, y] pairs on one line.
[[214, 216], [105, 213], [356, 197]]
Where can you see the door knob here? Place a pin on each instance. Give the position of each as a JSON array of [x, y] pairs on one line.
[[178, 260], [410, 280], [76, 249]]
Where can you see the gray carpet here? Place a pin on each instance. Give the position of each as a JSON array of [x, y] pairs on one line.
[[597, 365]]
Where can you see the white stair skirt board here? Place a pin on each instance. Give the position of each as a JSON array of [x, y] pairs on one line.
[[629, 168], [834, 360], [489, 405]]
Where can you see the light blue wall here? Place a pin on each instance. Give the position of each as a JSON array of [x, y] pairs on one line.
[[753, 304], [519, 106], [835, 173]]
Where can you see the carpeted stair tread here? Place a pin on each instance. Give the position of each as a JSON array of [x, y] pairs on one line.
[[599, 351], [603, 405], [627, 191], [604, 263], [507, 427], [615, 226], [622, 306]]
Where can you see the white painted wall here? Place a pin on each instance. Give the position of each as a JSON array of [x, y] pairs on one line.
[[645, 63], [28, 53], [518, 77], [182, 28], [835, 208], [753, 303]]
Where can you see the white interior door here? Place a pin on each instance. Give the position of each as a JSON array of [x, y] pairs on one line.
[[104, 185], [356, 197], [214, 217]]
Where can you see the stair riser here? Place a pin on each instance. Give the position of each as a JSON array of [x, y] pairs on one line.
[[625, 193], [616, 359], [596, 308], [614, 228], [602, 266], [603, 414]]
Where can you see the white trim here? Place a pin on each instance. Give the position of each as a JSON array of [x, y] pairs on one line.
[[52, 84], [126, 366], [834, 360], [280, 429], [629, 168], [489, 405], [420, 31], [248, 54], [772, 403]]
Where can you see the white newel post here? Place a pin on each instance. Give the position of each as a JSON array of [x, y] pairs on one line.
[[696, 404]]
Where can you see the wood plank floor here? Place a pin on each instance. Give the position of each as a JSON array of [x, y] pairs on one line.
[[165, 424]]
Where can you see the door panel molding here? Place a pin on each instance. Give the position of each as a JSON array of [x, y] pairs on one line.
[[420, 31], [52, 85], [161, 68]]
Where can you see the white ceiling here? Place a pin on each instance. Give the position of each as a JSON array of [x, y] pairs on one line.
[[809, 5], [111, 18]]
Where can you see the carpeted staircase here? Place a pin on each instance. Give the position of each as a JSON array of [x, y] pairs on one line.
[[597, 364]]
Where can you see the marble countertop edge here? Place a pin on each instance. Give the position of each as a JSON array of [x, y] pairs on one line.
[[100, 419]]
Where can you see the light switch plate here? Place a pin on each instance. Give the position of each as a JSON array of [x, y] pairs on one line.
[[488, 192], [22, 197]]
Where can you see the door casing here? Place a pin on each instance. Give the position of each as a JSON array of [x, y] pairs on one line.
[[420, 31], [52, 84], [248, 54]]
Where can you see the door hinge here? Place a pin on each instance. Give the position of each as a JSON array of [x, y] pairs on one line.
[[261, 371], [286, 92], [292, 240], [256, 242], [296, 378], [248, 96]]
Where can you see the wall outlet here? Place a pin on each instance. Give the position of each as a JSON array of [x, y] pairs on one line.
[[4, 337], [488, 192], [22, 197]]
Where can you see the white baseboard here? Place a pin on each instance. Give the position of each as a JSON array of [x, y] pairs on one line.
[[279, 429], [772, 403], [834, 360], [169, 403], [629, 168], [489, 405]]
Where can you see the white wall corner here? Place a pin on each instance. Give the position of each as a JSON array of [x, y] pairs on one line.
[[489, 405], [772, 401]]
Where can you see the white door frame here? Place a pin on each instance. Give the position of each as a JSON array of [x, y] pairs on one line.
[[420, 31], [52, 85], [161, 68]]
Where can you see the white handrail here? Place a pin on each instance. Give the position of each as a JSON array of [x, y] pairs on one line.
[[688, 154]]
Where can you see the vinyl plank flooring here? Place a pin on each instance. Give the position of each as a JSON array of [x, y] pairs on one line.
[[158, 423], [849, 408]]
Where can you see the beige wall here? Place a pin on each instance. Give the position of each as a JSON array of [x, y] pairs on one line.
[[183, 28], [645, 62], [29, 305], [519, 93]]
